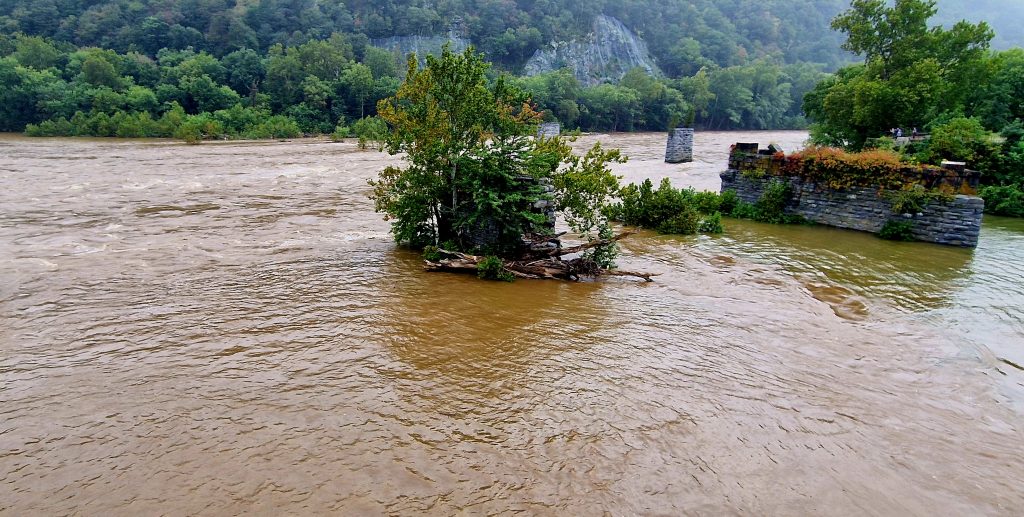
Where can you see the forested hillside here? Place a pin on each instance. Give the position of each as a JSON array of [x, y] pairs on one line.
[[680, 33], [154, 67]]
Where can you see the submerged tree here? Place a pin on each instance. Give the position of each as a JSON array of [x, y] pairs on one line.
[[474, 167]]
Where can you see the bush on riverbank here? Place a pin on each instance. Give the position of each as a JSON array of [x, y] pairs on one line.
[[687, 212], [370, 129], [232, 123], [1005, 200], [665, 209], [121, 124]]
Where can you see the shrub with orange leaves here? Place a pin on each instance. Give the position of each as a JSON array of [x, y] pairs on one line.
[[839, 169]]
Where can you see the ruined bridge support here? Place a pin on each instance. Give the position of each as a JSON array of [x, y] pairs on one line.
[[956, 222], [680, 145]]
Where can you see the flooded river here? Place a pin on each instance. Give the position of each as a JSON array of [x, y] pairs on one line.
[[228, 329]]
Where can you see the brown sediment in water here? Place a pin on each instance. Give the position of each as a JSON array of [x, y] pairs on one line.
[[227, 329]]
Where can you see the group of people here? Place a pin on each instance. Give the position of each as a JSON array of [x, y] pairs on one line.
[[897, 132]]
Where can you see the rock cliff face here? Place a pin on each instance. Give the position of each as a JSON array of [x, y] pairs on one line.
[[422, 45], [605, 55]]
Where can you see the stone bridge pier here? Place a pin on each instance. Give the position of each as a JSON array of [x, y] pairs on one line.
[[680, 146]]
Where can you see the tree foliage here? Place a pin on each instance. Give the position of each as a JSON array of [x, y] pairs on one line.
[[683, 34], [912, 73], [941, 80], [56, 89], [472, 163], [727, 65]]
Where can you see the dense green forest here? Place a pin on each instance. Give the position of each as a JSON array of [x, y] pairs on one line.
[[679, 33], [215, 69], [943, 81], [727, 64], [55, 89], [198, 69]]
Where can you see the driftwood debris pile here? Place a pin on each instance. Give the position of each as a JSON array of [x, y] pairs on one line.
[[545, 263]]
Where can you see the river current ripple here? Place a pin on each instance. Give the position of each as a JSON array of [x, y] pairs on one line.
[[228, 329]]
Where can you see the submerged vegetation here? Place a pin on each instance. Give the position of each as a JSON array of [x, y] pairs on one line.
[[667, 209], [896, 230], [685, 211], [493, 268]]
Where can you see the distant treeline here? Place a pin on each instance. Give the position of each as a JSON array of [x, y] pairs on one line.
[[320, 86], [135, 67], [683, 35]]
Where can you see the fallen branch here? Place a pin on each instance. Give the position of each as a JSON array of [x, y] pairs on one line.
[[646, 276], [561, 252], [551, 266]]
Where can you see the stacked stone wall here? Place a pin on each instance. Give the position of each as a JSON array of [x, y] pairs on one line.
[[955, 223], [680, 146]]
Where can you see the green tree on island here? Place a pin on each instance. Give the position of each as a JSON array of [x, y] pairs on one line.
[[473, 167]]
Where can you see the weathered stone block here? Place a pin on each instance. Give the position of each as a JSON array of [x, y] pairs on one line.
[[549, 130], [680, 146]]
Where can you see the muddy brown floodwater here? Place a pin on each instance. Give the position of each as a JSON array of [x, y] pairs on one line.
[[227, 329]]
